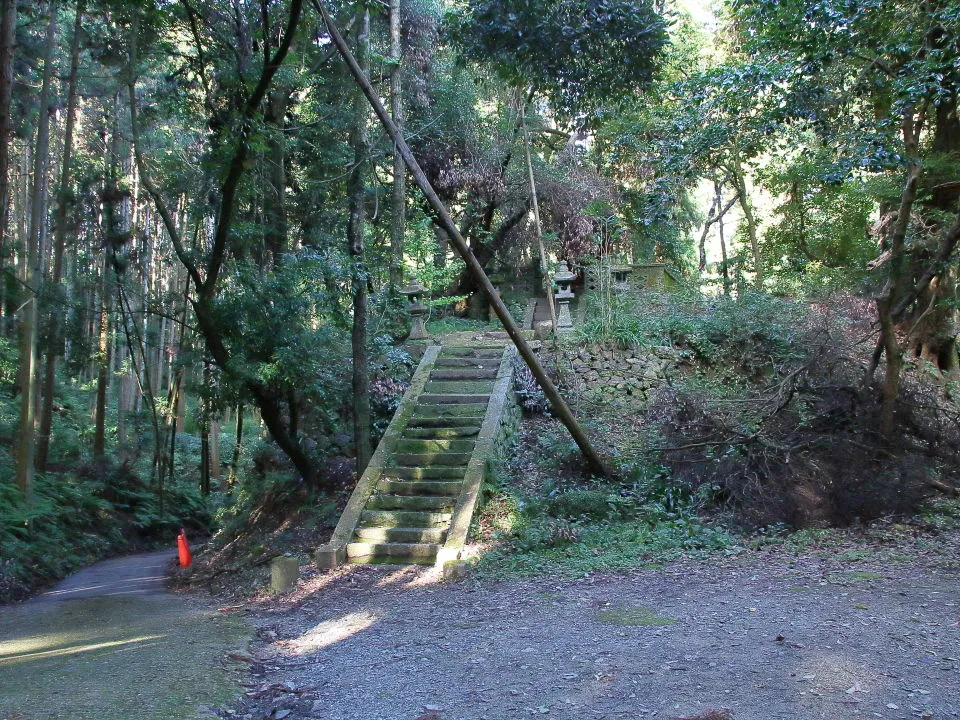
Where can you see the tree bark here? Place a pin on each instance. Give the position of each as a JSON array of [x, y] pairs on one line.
[[55, 339], [28, 328], [237, 447], [398, 199], [746, 204], [8, 39]]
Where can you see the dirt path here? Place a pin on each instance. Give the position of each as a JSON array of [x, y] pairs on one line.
[[768, 636], [110, 642]]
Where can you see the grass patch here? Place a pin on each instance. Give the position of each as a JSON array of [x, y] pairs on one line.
[[607, 547], [634, 617]]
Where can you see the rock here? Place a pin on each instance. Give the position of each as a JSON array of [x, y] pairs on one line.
[[284, 573], [542, 329]]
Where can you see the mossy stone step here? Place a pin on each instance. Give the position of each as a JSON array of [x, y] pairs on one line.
[[430, 459], [400, 535], [445, 421], [435, 446], [468, 363], [421, 487], [441, 433], [464, 373], [400, 553], [471, 352], [450, 472], [458, 387], [411, 502], [452, 410], [453, 399], [404, 518]]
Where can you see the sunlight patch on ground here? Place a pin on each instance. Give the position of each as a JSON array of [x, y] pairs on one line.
[[330, 632]]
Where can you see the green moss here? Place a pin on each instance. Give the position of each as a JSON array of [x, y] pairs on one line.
[[638, 616]]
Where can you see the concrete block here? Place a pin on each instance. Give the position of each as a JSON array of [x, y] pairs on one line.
[[284, 573]]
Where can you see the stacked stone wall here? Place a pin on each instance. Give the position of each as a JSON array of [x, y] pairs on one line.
[[610, 372]]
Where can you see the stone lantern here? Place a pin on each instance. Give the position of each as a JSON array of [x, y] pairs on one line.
[[418, 311], [564, 278], [620, 274]]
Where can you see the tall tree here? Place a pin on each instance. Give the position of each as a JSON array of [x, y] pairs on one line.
[[59, 243], [28, 325], [398, 198], [8, 35], [356, 227]]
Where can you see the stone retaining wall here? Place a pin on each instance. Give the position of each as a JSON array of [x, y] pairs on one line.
[[609, 372]]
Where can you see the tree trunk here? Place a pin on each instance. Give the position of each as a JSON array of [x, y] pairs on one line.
[[724, 262], [275, 206], [55, 339], [103, 362], [355, 246], [237, 448], [544, 268], [28, 328], [398, 200], [8, 38], [746, 204]]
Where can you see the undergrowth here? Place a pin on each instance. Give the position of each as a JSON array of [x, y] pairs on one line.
[[766, 434]]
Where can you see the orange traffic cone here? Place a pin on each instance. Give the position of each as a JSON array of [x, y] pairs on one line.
[[184, 547]]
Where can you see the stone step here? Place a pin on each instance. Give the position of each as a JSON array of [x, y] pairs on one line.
[[487, 353], [449, 472], [441, 433], [443, 422], [411, 502], [448, 398], [465, 362], [422, 487], [428, 459], [453, 410], [400, 535], [458, 387], [404, 518], [398, 553], [464, 373], [435, 446]]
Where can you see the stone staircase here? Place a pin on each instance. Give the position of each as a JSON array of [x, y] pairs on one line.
[[429, 479]]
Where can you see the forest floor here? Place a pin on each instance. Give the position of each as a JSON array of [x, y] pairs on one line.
[[110, 642], [841, 629]]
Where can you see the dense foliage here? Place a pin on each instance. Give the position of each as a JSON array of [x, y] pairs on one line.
[[204, 236]]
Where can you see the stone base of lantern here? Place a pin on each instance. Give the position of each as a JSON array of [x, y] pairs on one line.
[[564, 320], [418, 330]]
